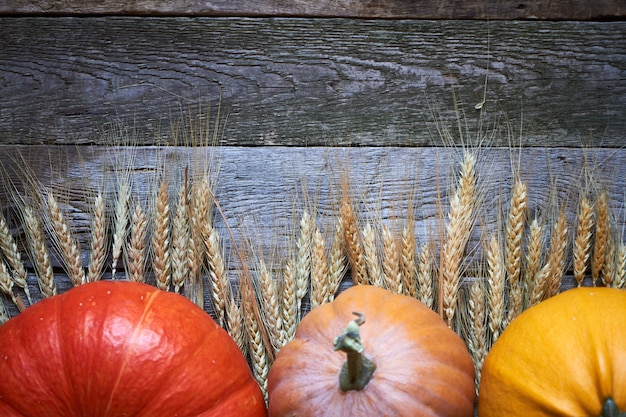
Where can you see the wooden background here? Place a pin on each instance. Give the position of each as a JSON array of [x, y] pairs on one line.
[[303, 91]]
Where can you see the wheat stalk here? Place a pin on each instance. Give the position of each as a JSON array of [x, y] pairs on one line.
[[137, 245], [370, 250], [161, 261], [303, 260], [513, 248], [68, 246], [337, 264], [391, 261], [582, 242], [97, 254], [39, 252], [320, 278], [120, 226], [533, 258], [458, 232], [601, 236], [407, 260], [495, 287], [13, 257], [425, 277], [353, 244]]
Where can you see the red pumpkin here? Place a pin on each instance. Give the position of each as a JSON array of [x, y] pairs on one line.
[[114, 348], [422, 368]]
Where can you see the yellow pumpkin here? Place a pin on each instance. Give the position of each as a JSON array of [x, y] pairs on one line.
[[564, 357]]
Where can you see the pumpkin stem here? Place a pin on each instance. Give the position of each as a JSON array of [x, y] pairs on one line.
[[610, 409], [357, 371]]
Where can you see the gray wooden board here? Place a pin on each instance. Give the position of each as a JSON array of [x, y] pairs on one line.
[[286, 81], [263, 190], [433, 9]]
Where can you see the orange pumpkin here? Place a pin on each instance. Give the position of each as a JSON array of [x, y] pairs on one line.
[[114, 348], [422, 368], [564, 357]]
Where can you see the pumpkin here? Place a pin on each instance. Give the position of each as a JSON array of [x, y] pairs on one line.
[[402, 360], [563, 357], [115, 348]]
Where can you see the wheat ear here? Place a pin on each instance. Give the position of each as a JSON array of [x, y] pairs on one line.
[[601, 236], [407, 260], [620, 267], [39, 252], [234, 322], [391, 261], [4, 316], [137, 245], [495, 287], [290, 312], [513, 249], [609, 270], [548, 279], [271, 305], [370, 250], [6, 286], [477, 340], [161, 261], [303, 260], [97, 254], [458, 233], [337, 265], [320, 279], [69, 247], [534, 249], [217, 271], [199, 214], [425, 277], [557, 254], [13, 257], [180, 241], [582, 242], [120, 225], [353, 244], [256, 348]]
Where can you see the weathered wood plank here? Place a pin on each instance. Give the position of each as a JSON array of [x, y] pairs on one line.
[[396, 9], [315, 81], [263, 190]]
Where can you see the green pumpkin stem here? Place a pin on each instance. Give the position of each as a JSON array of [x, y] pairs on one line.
[[357, 371], [610, 409]]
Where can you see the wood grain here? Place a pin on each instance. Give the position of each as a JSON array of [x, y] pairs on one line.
[[285, 81], [263, 190], [423, 9]]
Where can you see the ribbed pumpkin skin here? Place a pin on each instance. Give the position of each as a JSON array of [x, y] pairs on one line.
[[114, 348], [423, 368], [563, 357]]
